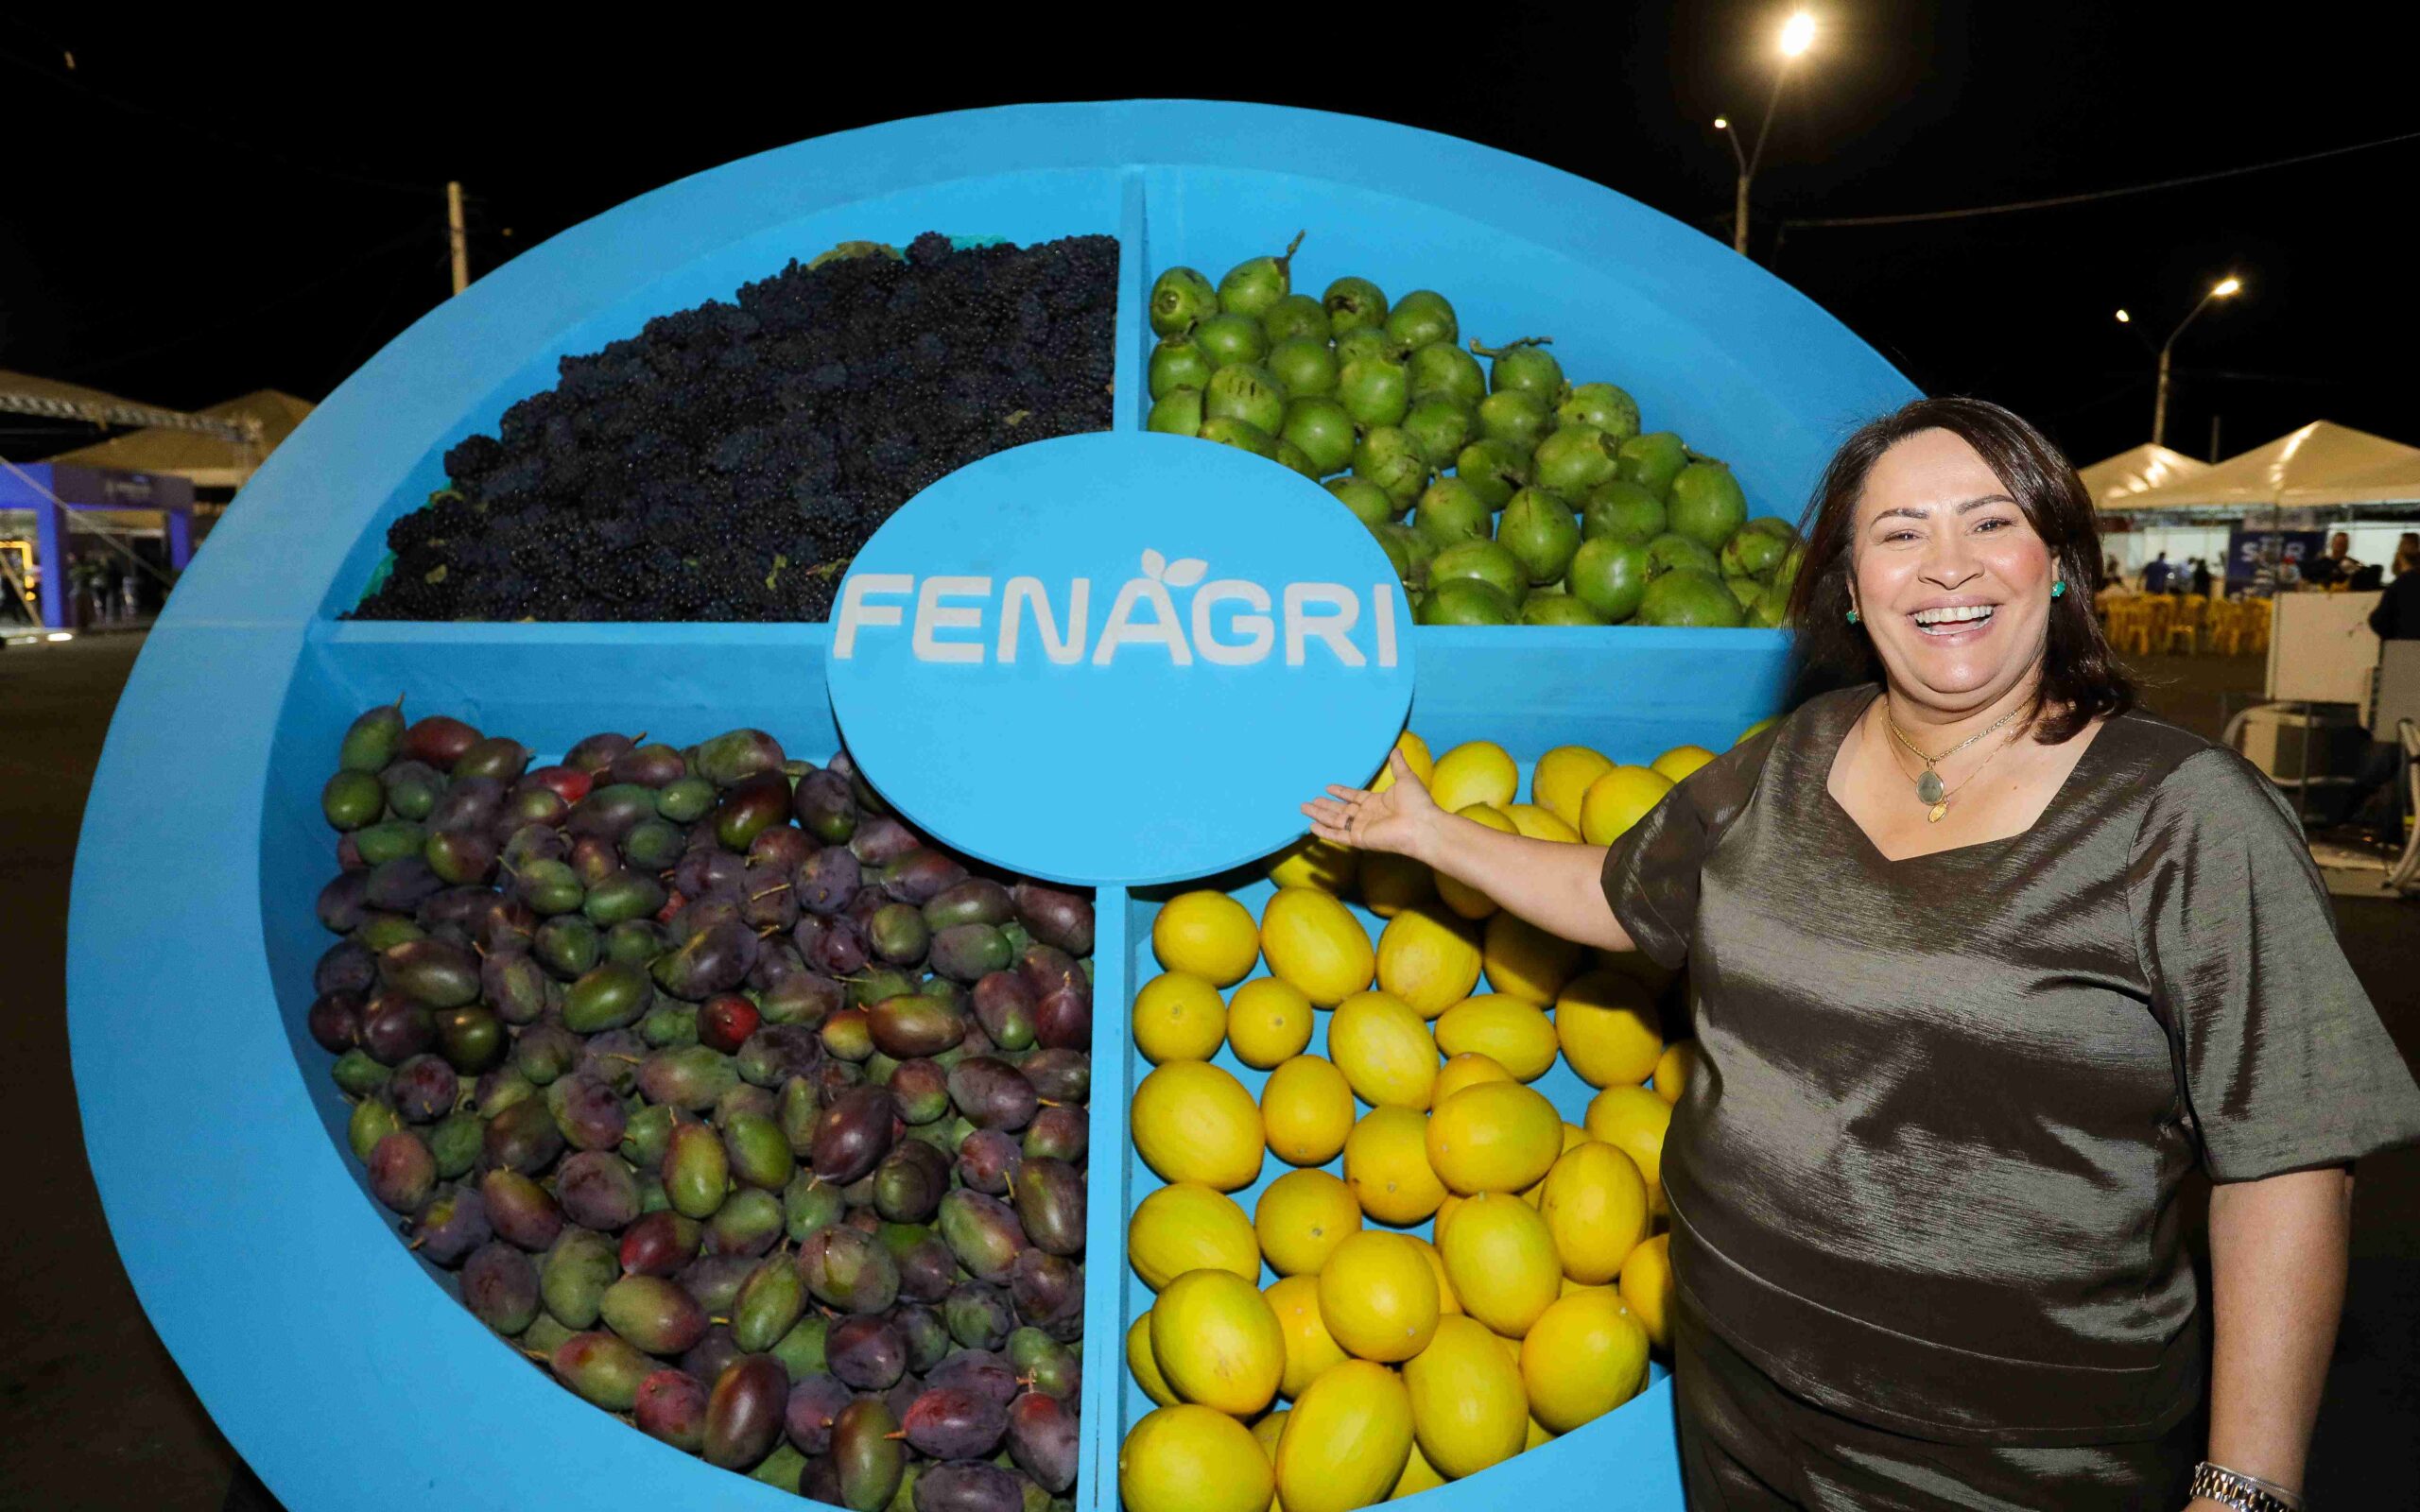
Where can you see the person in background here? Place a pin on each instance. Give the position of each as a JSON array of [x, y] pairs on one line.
[[88, 576], [2407, 550], [2200, 578], [2397, 616], [2335, 569], [2340, 548], [2156, 575], [2113, 583], [2265, 573]]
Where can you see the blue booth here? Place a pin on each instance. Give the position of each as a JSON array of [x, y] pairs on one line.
[[53, 490]]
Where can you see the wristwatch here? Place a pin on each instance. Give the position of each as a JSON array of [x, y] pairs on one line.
[[2243, 1492]]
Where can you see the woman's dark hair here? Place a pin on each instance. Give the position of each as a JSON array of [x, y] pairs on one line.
[[2080, 678]]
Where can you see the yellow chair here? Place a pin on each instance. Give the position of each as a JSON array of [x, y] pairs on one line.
[[2113, 615], [2258, 615], [2186, 618], [2226, 627], [2130, 625], [2157, 615]]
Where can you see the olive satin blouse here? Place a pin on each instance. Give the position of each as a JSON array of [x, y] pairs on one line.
[[1927, 1173]]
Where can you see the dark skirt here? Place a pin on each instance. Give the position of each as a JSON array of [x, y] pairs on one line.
[[1747, 1444]]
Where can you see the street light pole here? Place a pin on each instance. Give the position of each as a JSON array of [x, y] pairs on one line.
[[2159, 401], [1740, 217], [1797, 35], [457, 240], [1740, 205], [1740, 237]]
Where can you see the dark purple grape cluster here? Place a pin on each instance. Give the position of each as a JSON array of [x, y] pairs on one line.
[[727, 462], [751, 1115]]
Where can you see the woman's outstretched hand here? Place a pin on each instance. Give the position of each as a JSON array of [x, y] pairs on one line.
[[1554, 886], [1396, 818]]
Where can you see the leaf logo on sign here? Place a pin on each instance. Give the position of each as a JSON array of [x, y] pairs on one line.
[[1183, 572]]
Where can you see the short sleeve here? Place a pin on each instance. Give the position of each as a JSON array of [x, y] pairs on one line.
[[1651, 876], [2284, 1063]]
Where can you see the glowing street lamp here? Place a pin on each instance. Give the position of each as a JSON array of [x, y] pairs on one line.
[[1797, 35], [2224, 288]]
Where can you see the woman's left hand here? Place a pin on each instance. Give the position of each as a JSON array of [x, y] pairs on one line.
[[1397, 817]]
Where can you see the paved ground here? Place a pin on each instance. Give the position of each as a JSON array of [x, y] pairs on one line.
[[2365, 1453], [96, 1414]]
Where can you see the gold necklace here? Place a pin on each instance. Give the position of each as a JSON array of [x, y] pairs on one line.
[[1929, 790]]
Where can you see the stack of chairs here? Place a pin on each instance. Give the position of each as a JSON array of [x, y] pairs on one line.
[[2186, 619], [2159, 610], [2256, 615], [2162, 623], [2238, 626], [2130, 619]]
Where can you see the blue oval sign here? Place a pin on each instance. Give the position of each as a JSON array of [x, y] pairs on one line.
[[1118, 658]]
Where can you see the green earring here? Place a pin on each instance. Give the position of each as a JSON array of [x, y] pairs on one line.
[[1852, 616], [2059, 589]]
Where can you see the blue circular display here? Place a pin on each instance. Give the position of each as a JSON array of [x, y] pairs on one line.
[[1121, 658], [316, 1340]]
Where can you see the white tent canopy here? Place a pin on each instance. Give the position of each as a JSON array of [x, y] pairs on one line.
[[2394, 480], [210, 461], [2113, 479], [2304, 467]]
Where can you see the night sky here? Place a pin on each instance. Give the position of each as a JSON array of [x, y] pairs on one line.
[[196, 213]]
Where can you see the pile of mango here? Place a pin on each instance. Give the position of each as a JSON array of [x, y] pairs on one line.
[[751, 1115]]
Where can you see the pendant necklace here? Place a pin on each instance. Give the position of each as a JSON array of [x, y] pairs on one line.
[[1929, 790]]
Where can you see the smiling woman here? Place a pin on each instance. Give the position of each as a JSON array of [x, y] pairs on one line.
[[1970, 1007], [1949, 530], [1943, 470]]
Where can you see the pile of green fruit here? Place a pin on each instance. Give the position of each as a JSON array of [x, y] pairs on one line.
[[1531, 499], [756, 1118]]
